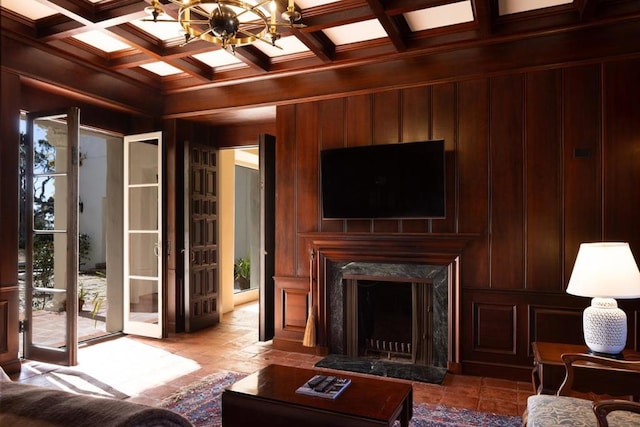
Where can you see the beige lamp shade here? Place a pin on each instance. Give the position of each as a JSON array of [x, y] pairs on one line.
[[605, 270]]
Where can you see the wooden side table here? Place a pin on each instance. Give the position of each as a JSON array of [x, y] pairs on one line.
[[548, 370]]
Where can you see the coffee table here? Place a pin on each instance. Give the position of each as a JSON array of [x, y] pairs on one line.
[[268, 397]]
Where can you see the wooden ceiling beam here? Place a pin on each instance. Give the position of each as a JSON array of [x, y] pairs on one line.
[[393, 31]]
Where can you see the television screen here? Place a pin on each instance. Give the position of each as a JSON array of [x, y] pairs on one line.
[[404, 180]]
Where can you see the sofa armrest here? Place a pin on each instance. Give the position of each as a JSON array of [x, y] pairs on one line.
[[25, 404]]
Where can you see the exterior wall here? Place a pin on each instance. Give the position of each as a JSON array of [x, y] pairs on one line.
[[93, 193]]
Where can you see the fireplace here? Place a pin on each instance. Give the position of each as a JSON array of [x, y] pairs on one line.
[[427, 264], [393, 311]]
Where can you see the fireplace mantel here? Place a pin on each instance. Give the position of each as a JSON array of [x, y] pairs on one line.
[[396, 248], [401, 247]]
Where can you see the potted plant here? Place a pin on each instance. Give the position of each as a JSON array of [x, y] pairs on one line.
[[241, 273]]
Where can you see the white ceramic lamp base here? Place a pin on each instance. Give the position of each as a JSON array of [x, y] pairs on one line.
[[605, 327]]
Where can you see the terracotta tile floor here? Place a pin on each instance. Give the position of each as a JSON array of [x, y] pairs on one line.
[[148, 370]]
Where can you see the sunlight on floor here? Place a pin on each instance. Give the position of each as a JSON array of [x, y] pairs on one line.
[[157, 365]]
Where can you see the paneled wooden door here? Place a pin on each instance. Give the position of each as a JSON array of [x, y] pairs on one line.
[[202, 291], [51, 237]]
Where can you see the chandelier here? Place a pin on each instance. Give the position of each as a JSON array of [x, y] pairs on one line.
[[229, 23]]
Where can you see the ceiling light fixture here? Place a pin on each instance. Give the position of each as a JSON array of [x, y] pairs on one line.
[[229, 23]]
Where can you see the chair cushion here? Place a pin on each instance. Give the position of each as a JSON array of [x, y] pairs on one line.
[[546, 410]]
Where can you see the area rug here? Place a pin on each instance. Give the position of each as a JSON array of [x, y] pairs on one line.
[[200, 403], [384, 368]]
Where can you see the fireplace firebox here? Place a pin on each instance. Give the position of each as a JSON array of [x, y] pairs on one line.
[[389, 318]]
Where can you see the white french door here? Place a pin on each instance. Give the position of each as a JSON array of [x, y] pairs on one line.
[[143, 246], [51, 235]]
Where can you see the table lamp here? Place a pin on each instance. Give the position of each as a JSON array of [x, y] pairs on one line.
[[604, 271]]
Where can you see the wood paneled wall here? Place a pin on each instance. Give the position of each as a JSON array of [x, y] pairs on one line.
[[537, 162]]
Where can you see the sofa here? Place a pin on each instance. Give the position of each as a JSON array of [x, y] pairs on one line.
[[28, 405]]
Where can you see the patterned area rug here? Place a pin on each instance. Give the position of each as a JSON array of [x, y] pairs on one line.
[[200, 403]]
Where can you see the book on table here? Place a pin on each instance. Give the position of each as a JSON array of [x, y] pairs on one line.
[[325, 386]]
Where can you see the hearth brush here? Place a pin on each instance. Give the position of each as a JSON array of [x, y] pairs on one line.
[[309, 339]]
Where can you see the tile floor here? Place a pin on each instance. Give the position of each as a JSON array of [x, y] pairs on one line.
[[148, 370]]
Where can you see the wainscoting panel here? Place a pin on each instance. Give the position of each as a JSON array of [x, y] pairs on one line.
[[488, 318], [548, 323], [292, 306]]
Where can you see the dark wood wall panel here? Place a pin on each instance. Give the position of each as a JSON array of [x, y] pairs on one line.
[[416, 107], [306, 185], [332, 135], [527, 168], [487, 318], [473, 178], [622, 153], [358, 119], [543, 154], [581, 114], [544, 321], [9, 202], [506, 191], [386, 129], [444, 121], [291, 301], [286, 242], [416, 126]]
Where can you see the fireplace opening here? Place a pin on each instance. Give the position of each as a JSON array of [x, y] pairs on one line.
[[389, 318]]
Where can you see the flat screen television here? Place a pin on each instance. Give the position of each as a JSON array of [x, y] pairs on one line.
[[403, 180]]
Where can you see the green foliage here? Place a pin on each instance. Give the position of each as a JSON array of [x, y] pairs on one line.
[[43, 261], [242, 268]]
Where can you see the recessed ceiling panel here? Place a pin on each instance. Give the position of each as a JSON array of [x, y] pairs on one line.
[[31, 9], [217, 58], [356, 32], [306, 4], [440, 16], [161, 68], [286, 46], [102, 40], [506, 7], [163, 29]]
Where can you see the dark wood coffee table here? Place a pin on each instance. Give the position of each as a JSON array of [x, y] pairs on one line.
[[268, 397]]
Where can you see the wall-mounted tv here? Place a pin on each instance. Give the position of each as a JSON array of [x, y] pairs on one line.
[[403, 180]]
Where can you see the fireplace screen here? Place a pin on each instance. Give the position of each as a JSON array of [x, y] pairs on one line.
[[389, 318]]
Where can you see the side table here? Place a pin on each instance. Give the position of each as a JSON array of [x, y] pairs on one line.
[[548, 370]]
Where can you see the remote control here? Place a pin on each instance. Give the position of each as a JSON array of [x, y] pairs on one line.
[[313, 382], [325, 385]]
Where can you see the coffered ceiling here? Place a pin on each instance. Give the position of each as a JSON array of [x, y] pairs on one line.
[[120, 36]]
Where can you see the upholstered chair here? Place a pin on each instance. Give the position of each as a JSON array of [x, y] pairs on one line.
[[593, 376]]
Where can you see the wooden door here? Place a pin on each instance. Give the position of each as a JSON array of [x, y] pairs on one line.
[[202, 292], [267, 235]]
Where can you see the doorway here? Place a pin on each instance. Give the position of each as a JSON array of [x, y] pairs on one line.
[[247, 196], [97, 310]]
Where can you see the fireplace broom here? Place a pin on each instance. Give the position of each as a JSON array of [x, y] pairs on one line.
[[309, 338]]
